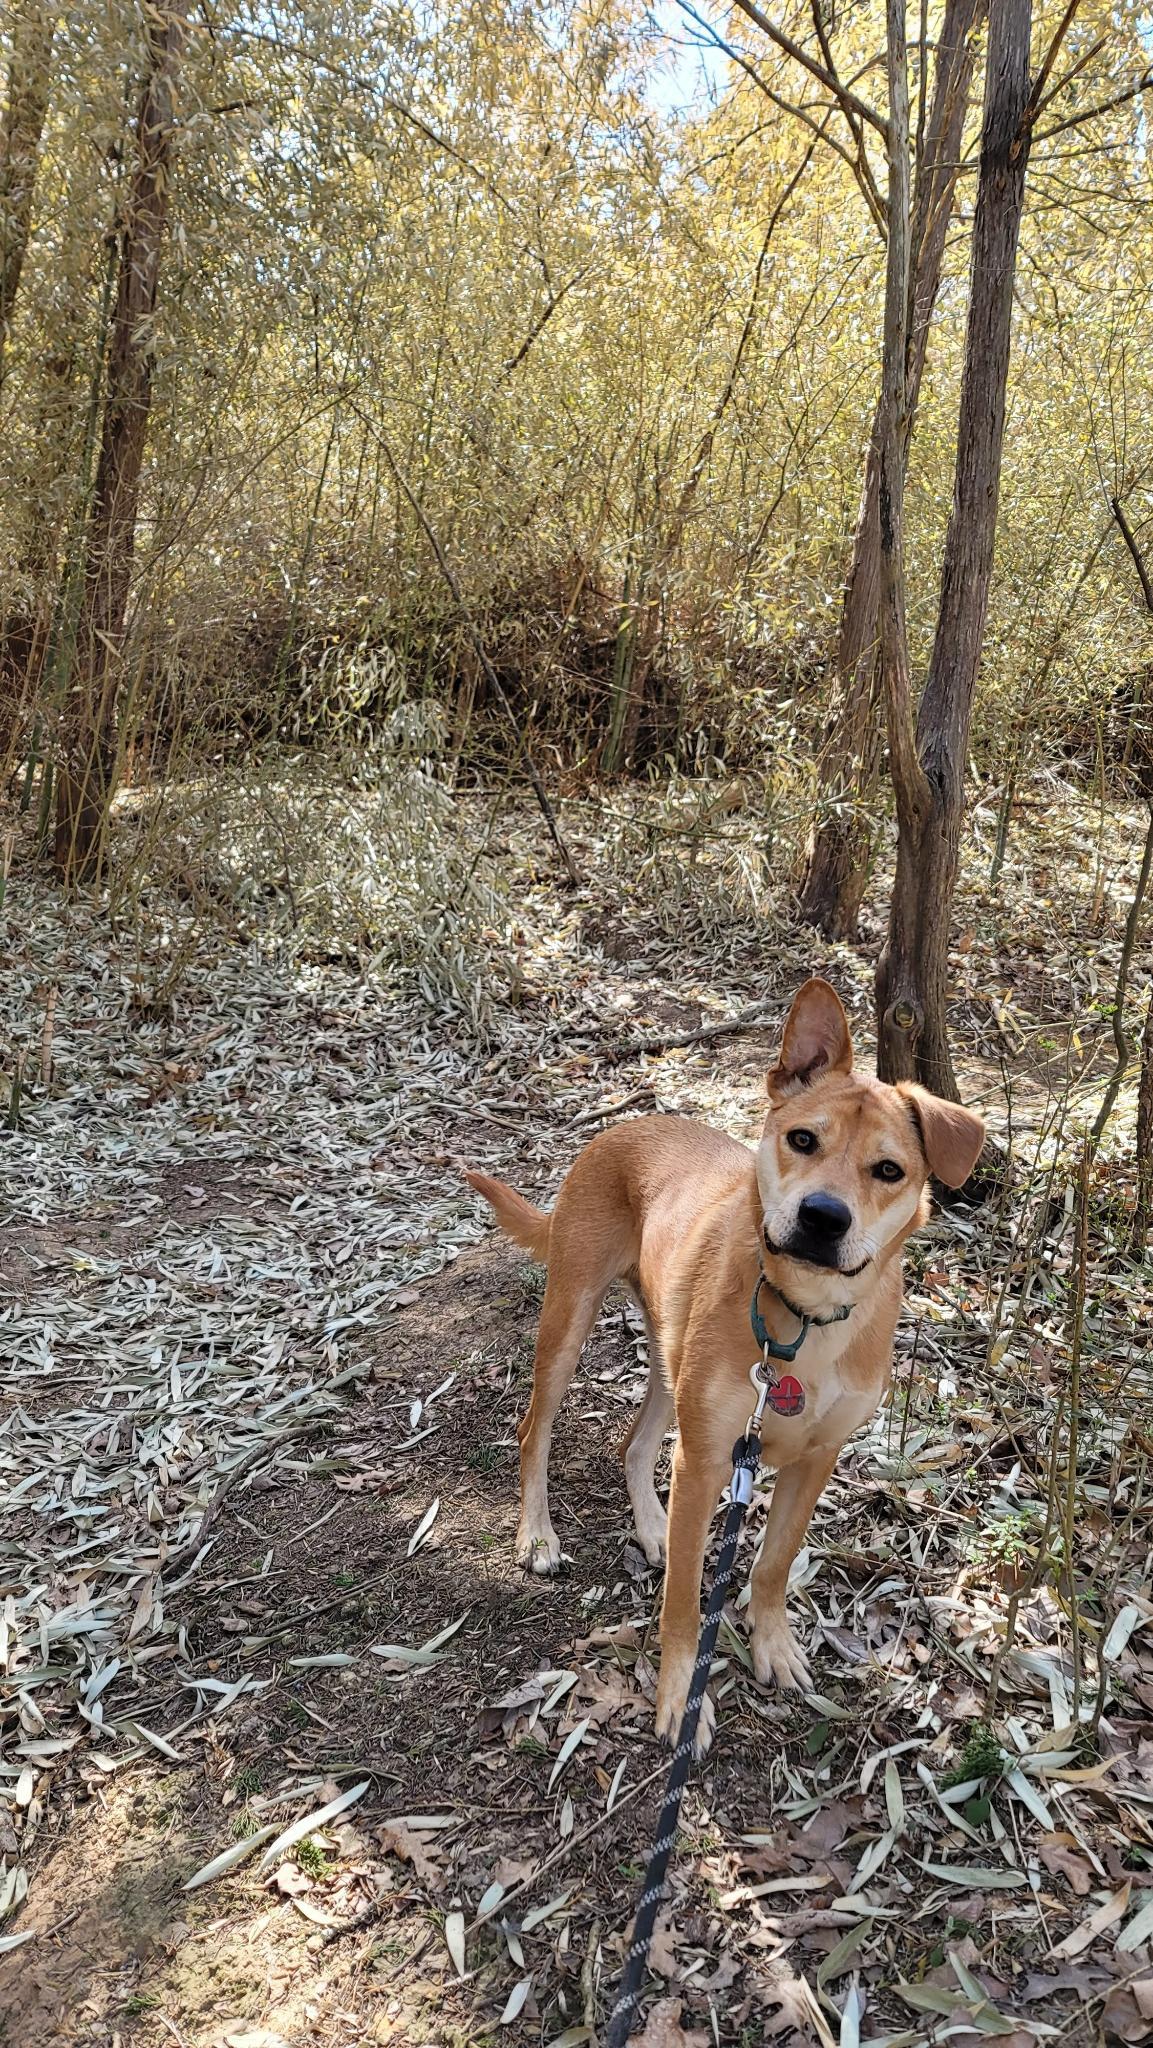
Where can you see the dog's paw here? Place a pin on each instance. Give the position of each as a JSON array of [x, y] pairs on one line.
[[778, 1658], [539, 1552], [651, 1536], [671, 1696]]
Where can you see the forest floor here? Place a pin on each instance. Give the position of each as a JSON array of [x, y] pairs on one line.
[[263, 1367]]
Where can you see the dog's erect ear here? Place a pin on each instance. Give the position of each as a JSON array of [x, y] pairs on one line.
[[952, 1137], [816, 1039]]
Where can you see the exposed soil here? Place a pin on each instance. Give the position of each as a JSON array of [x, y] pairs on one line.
[[501, 1725]]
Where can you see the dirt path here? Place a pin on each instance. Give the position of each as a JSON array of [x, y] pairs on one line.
[[318, 1633], [312, 1563]]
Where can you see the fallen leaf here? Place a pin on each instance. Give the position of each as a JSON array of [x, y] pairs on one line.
[[973, 1878], [1114, 1909], [229, 1858], [1128, 2011], [454, 1940], [516, 2001], [1139, 1929], [827, 1830], [1129, 1619], [1085, 1980], [1065, 1862], [545, 1912], [663, 2028], [663, 1951], [797, 2007], [423, 1528], [570, 1745], [397, 1840], [842, 1955], [310, 1822]]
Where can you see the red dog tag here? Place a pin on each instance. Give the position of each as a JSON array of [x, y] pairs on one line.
[[787, 1397]]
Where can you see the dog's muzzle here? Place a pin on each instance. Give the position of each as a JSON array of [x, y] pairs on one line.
[[818, 1234]]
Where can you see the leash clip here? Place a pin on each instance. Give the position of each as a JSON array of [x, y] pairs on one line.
[[785, 1396], [764, 1379]]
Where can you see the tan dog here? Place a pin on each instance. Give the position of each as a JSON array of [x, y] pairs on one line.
[[689, 1220]]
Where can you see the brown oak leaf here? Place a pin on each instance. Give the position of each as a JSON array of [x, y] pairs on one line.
[[663, 2028]]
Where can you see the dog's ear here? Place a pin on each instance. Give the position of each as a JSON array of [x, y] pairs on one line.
[[816, 1039], [952, 1137]]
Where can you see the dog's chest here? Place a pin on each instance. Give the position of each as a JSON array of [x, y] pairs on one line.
[[835, 1404]]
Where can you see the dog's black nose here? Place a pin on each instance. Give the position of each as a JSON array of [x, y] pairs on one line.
[[824, 1215]]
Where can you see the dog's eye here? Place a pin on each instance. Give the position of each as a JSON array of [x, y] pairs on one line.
[[887, 1169], [803, 1141]]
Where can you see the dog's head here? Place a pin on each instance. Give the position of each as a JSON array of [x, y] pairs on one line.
[[844, 1159]]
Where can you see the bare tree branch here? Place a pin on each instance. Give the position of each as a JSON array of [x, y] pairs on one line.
[[865, 174], [1120, 99], [869, 192], [849, 100], [540, 323], [1139, 562], [1067, 77], [1051, 55]]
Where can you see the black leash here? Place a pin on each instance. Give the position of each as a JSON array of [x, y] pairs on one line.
[[746, 1458], [786, 1397]]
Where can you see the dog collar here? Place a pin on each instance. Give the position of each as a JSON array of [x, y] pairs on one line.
[[784, 1394], [786, 1353]]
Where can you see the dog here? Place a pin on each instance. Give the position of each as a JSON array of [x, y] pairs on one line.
[[808, 1229]]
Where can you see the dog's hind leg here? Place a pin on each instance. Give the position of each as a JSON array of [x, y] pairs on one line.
[[641, 1449], [568, 1315]]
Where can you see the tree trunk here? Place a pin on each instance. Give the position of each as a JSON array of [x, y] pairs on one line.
[[841, 844], [23, 125], [912, 974], [1139, 1241], [86, 773], [1128, 945]]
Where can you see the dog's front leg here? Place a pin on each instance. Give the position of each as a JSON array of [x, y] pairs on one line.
[[698, 1477], [777, 1655]]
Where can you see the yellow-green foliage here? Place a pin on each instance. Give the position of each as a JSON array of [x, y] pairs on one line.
[[493, 243]]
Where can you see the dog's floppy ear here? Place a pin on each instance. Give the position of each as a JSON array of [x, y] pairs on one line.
[[816, 1039], [952, 1137]]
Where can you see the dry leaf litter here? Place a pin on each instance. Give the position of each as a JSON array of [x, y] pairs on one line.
[[222, 1230]]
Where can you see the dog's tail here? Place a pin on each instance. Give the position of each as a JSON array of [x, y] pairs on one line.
[[517, 1218]]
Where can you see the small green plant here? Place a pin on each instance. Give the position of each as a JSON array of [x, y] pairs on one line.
[[248, 1780], [245, 1824], [483, 1457], [312, 1859], [140, 2002], [982, 1757], [1010, 1539], [387, 1953], [533, 1281], [916, 1260], [956, 1929]]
